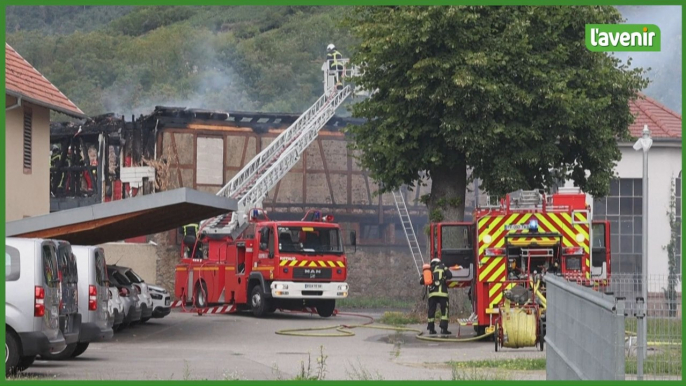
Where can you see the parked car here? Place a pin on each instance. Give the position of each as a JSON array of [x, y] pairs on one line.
[[32, 299], [128, 294], [94, 294], [161, 301], [70, 318], [143, 291], [115, 306]]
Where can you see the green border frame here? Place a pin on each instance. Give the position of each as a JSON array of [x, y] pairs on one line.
[[315, 2]]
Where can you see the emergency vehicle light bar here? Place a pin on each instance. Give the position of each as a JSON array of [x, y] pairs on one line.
[[573, 251], [495, 251]]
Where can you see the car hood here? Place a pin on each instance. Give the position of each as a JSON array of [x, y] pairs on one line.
[[156, 288]]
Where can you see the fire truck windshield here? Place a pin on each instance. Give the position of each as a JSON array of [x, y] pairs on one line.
[[309, 240]]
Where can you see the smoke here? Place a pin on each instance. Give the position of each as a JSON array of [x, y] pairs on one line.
[[202, 80], [665, 66]]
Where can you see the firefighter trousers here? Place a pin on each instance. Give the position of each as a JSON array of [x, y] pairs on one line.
[[434, 302]]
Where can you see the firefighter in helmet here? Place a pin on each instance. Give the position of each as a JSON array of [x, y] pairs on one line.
[[438, 295], [190, 234], [333, 58]]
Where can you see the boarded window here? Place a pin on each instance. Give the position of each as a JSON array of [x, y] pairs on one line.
[[28, 130], [210, 161]]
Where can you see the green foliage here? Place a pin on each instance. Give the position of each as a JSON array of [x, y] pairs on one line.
[[131, 59], [510, 91], [507, 364], [398, 318]]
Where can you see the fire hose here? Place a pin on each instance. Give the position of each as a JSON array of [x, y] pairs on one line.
[[344, 330]]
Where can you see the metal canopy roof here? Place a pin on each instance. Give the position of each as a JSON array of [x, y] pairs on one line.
[[123, 219]]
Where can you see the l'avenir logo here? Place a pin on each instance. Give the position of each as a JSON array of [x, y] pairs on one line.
[[623, 37]]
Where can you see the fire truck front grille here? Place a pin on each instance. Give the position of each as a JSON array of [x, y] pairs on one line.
[[313, 293], [312, 273]]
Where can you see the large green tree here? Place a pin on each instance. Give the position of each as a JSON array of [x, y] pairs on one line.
[[511, 93]]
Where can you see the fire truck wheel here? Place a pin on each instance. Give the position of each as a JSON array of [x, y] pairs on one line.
[[258, 302], [201, 295], [326, 308]]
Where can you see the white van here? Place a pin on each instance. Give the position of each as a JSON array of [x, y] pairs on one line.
[[32, 301], [94, 294]]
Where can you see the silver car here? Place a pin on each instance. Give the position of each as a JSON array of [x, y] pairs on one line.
[[143, 291], [115, 306], [161, 301], [94, 296], [32, 297], [128, 294]]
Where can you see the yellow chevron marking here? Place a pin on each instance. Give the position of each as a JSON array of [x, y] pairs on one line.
[[340, 264], [293, 263], [283, 262], [497, 273], [313, 264], [331, 263], [580, 229], [488, 268], [321, 263], [552, 228], [580, 217], [495, 288], [302, 263], [484, 260]]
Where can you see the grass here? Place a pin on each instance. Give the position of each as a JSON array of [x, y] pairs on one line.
[[398, 318], [503, 364], [360, 373], [474, 374], [659, 329], [372, 302], [666, 362]]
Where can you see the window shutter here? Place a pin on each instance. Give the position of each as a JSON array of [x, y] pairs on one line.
[[28, 136]]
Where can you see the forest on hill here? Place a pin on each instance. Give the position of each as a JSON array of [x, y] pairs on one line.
[[127, 60]]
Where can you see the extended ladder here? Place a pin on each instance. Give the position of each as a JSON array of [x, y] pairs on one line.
[[410, 235], [251, 185]]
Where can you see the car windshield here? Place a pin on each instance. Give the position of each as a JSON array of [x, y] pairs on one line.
[[133, 277], [50, 274], [309, 239]]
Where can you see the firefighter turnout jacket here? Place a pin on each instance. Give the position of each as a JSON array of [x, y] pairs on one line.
[[439, 287]]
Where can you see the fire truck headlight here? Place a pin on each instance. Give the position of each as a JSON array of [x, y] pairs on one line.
[[580, 238], [343, 287], [487, 239], [281, 286]]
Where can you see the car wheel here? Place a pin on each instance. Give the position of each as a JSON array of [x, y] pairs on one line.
[[60, 355], [258, 302], [144, 320], [201, 295], [25, 363], [326, 308], [80, 349], [11, 353]]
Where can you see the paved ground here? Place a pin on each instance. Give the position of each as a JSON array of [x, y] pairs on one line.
[[186, 346]]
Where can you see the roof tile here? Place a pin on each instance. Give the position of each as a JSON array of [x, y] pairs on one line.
[[662, 122], [21, 77]]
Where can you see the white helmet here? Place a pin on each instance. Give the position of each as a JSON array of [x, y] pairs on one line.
[[435, 261], [330, 47]]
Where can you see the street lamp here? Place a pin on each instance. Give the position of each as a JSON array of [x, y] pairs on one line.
[[644, 143]]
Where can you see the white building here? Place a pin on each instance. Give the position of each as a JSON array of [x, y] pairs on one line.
[[623, 206]]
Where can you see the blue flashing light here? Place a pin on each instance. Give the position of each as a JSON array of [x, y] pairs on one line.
[[533, 224]]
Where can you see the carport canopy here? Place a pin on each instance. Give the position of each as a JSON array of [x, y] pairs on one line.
[[123, 219]]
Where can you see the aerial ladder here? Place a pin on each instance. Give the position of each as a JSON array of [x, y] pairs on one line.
[[410, 235], [252, 184]]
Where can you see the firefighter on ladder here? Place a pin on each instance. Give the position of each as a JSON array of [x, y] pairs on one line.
[[333, 57], [438, 295]]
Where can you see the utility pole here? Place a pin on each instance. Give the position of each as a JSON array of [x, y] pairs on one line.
[[644, 144]]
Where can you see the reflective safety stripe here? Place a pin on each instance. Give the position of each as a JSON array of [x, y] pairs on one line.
[[311, 263]]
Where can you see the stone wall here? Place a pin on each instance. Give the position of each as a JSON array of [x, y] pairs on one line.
[[142, 258]]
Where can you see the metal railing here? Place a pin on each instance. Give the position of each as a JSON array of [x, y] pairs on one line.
[[584, 333]]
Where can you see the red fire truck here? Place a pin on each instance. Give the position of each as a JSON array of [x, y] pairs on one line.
[[521, 238], [271, 265]]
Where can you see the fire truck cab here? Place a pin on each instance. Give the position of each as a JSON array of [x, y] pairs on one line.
[[518, 240], [271, 265]]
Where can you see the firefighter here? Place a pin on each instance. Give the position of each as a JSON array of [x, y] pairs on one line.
[[438, 295], [190, 234], [333, 57]]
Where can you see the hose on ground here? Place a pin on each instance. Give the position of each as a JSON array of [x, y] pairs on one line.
[[343, 330]]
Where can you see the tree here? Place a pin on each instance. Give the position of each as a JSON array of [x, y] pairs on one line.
[[509, 92]]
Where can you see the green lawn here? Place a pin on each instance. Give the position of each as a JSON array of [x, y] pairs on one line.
[[505, 364], [666, 362], [363, 302], [659, 329]]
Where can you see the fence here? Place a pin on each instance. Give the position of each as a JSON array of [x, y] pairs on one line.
[[663, 310], [584, 333]]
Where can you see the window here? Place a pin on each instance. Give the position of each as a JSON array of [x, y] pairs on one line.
[[12, 264], [50, 267], [623, 208], [678, 219], [455, 237], [133, 277], [210, 161], [28, 136], [309, 240]]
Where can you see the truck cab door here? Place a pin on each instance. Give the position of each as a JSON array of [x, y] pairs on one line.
[[455, 246], [600, 250]]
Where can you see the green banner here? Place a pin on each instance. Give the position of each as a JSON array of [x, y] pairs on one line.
[[622, 37]]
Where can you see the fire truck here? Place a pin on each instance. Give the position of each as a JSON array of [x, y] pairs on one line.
[[243, 260], [515, 242]]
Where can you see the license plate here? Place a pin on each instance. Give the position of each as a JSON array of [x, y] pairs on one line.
[[313, 286]]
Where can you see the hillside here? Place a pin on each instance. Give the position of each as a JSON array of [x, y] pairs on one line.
[[128, 59]]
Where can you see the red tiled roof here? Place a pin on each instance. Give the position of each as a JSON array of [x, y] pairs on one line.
[[662, 122], [21, 79]]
